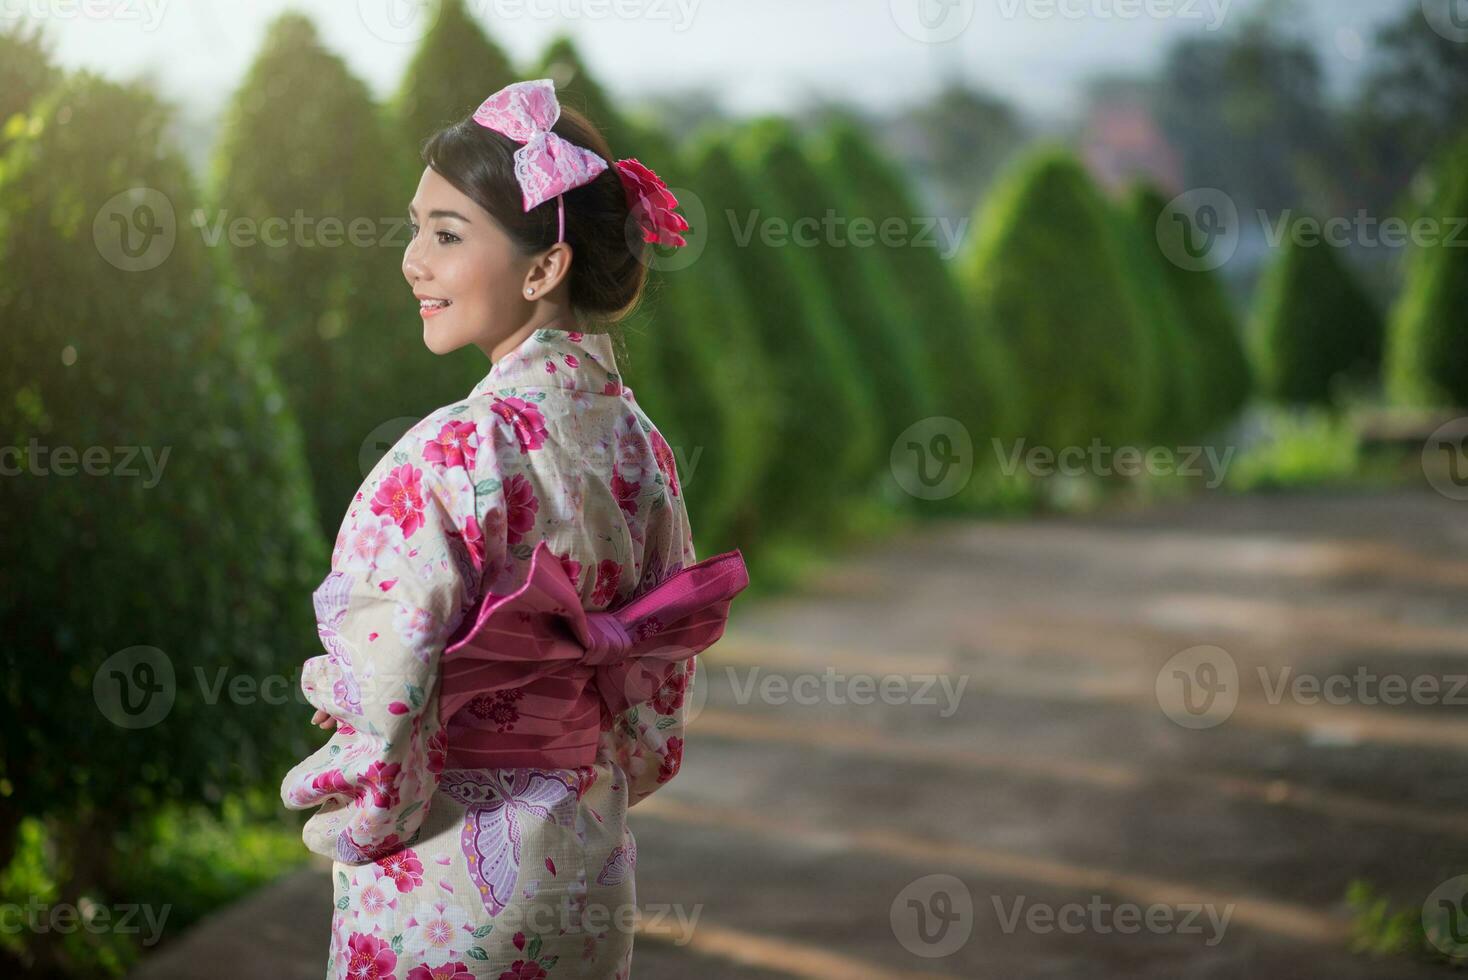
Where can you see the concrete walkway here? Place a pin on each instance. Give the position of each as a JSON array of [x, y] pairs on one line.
[[842, 813]]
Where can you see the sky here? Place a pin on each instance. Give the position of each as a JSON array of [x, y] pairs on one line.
[[755, 55]]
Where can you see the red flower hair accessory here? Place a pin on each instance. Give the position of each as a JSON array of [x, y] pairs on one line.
[[652, 204]]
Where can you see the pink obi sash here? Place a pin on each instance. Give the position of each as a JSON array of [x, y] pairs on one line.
[[525, 682]]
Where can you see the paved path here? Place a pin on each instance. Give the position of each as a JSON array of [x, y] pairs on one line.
[[1051, 789]]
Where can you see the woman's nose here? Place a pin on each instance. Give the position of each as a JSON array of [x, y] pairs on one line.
[[412, 263]]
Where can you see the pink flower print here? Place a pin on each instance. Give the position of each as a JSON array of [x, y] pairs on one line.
[[523, 970], [550, 367], [400, 494], [672, 759], [370, 543], [664, 456], [474, 541], [370, 958], [438, 748], [585, 776], [571, 360], [631, 452], [455, 445], [669, 696], [572, 568], [404, 868], [520, 508], [448, 971], [626, 493], [550, 865], [611, 388], [526, 419], [608, 577], [381, 780], [436, 933], [575, 336], [414, 626], [331, 781], [375, 906]]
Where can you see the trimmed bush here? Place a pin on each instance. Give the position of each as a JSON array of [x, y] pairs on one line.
[[455, 68], [1428, 347], [1223, 378], [701, 353], [26, 72], [182, 520], [346, 336], [1316, 330], [1177, 415], [1047, 279], [827, 436], [886, 343], [968, 379]]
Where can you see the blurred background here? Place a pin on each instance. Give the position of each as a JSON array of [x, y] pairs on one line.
[[1084, 381]]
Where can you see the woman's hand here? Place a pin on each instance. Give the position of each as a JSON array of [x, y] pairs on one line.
[[323, 720]]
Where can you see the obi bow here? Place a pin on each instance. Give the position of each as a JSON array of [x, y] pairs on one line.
[[540, 640]]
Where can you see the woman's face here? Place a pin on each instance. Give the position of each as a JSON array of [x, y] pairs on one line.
[[458, 253]]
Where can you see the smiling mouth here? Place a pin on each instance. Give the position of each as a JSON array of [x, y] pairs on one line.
[[433, 307]]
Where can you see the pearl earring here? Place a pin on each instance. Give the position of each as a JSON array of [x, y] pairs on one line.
[[529, 292]]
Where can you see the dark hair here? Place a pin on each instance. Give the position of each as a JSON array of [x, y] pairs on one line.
[[608, 267]]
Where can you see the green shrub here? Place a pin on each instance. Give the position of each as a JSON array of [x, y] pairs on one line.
[[303, 136], [1316, 331], [1428, 346], [1047, 281], [888, 346], [700, 353], [968, 379], [1221, 376], [26, 72], [827, 436], [204, 548], [1177, 412], [1305, 447]]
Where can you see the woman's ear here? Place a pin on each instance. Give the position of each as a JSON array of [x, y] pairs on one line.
[[550, 270]]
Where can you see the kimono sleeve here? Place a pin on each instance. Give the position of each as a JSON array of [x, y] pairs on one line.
[[408, 562], [646, 740]]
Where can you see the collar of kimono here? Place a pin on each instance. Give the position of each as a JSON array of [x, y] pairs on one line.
[[551, 358]]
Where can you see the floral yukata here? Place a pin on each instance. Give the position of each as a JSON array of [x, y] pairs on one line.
[[444, 873]]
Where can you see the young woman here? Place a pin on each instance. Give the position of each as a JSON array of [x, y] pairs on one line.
[[514, 605]]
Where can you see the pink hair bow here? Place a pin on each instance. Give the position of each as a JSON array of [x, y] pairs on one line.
[[620, 656], [547, 165]]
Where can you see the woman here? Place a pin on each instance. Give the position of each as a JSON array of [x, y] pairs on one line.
[[474, 791]]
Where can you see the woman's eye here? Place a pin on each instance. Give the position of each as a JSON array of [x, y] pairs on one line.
[[413, 233]]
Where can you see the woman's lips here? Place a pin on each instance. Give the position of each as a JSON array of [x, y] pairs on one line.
[[428, 311]]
